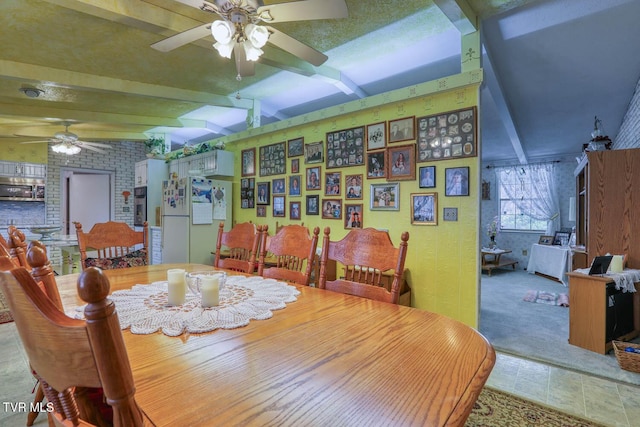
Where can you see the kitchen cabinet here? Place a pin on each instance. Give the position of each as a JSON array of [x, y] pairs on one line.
[[149, 174], [214, 163], [23, 169], [607, 202]]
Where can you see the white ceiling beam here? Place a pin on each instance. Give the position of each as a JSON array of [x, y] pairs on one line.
[[83, 81], [492, 80], [461, 15]]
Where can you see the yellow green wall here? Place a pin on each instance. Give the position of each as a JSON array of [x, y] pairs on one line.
[[442, 260], [30, 153]]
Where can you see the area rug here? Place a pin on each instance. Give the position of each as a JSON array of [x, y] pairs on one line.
[[495, 408], [5, 314], [549, 298]]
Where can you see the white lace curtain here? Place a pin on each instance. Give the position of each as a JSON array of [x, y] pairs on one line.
[[544, 201]]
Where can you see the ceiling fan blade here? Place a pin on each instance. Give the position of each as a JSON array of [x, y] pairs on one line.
[[94, 144], [296, 47], [89, 147], [304, 10], [245, 68], [183, 38], [197, 3], [36, 142]]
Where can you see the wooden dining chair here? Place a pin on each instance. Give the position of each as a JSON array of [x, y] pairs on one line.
[[366, 254], [73, 358], [293, 251], [117, 245], [241, 242]]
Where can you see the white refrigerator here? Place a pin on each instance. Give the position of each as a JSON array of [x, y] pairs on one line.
[[192, 209]]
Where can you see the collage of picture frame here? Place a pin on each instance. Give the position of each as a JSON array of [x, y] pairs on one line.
[[390, 150], [272, 159]]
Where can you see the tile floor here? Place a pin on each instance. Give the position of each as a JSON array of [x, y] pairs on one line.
[[607, 402]]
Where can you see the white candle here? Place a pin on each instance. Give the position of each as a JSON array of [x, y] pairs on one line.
[[210, 290], [177, 286]]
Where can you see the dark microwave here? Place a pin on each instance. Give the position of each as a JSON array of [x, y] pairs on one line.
[[22, 189]]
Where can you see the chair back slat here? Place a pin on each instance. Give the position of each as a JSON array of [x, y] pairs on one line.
[[242, 244], [366, 254], [293, 250], [18, 247]]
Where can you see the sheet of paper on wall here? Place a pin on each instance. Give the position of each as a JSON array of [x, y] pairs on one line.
[[219, 203], [201, 201]]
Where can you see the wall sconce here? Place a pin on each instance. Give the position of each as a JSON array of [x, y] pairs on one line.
[[126, 195]]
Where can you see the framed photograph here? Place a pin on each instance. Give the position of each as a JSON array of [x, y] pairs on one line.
[[561, 238], [402, 129], [353, 187], [424, 209], [246, 193], [261, 211], [294, 185], [263, 193], [294, 210], [279, 206], [401, 163], [313, 205], [295, 165], [332, 183], [313, 153], [249, 162], [457, 181], [545, 240], [375, 165], [353, 216], [331, 208], [295, 147], [272, 159], [376, 136], [447, 135], [385, 197], [278, 186], [345, 148], [427, 176], [313, 178]]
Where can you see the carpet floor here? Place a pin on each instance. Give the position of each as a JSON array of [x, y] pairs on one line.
[[538, 332], [496, 409], [5, 315]]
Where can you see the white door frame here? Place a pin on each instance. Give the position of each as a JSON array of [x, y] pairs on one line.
[[65, 173]]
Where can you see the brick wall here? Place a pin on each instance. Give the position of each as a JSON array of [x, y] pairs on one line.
[[629, 132], [120, 159]]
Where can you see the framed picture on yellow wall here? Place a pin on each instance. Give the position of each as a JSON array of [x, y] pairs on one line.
[[424, 209]]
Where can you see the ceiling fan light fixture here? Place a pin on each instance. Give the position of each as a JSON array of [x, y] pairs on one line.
[[224, 49], [66, 148], [251, 52], [223, 32], [257, 35]]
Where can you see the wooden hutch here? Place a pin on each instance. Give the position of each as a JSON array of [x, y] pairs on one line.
[[607, 221]]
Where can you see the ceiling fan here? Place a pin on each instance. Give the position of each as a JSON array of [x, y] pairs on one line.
[[68, 143], [239, 33]]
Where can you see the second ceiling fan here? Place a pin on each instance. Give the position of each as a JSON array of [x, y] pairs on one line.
[[239, 31]]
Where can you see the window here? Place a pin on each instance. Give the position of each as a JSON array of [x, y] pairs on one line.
[[519, 201]]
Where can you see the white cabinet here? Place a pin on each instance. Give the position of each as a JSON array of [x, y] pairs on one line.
[[211, 163], [23, 170], [141, 174]]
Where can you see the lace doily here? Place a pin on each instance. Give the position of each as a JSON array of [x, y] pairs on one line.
[[624, 281], [144, 308]]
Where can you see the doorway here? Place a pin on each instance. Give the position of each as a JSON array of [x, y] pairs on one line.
[[87, 197]]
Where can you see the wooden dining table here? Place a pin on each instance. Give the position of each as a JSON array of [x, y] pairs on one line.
[[325, 359]]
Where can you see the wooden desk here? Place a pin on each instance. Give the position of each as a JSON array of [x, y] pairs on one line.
[[493, 259], [588, 304], [326, 359]]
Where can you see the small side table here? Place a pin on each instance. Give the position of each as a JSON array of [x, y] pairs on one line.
[[493, 259]]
